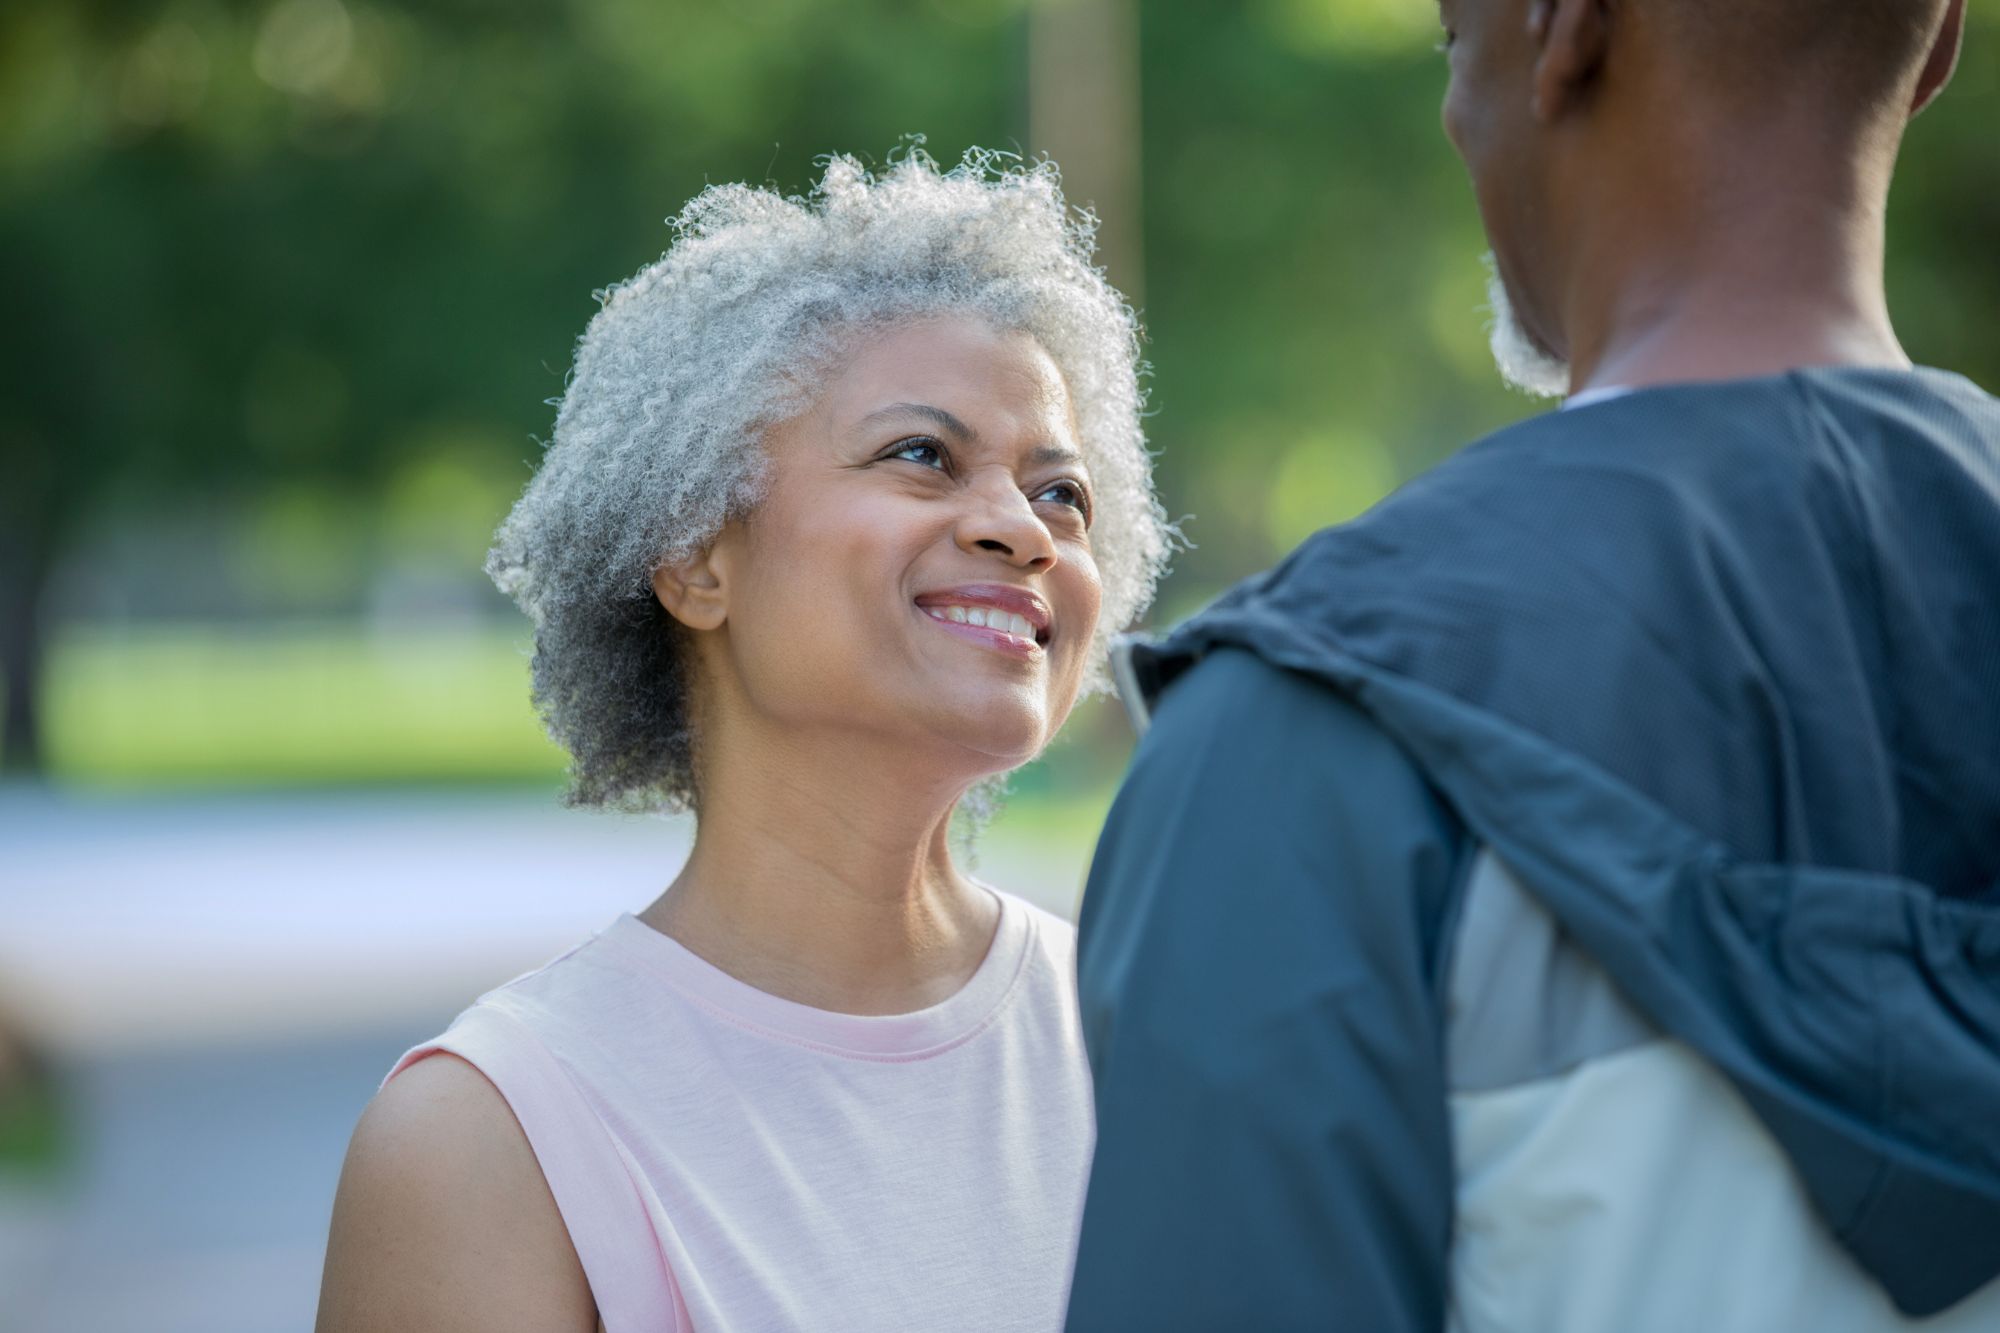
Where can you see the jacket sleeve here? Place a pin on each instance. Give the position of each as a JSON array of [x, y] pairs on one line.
[[1258, 961]]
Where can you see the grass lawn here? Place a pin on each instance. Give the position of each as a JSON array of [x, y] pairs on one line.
[[340, 704], [293, 705]]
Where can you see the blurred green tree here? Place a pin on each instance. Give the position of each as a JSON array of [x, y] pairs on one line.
[[309, 254], [257, 246]]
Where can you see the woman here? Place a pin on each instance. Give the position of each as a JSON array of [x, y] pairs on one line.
[[845, 496]]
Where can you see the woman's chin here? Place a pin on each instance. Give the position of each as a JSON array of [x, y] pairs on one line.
[[995, 735]]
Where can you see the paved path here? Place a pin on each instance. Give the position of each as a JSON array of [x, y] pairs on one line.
[[199, 1202], [223, 981]]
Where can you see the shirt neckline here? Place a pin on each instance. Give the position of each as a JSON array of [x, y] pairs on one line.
[[1599, 395], [918, 1035], [1934, 376]]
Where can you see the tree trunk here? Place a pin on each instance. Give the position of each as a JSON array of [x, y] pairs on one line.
[[1083, 111], [22, 658]]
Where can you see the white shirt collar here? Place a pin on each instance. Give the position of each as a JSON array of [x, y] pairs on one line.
[[1599, 395]]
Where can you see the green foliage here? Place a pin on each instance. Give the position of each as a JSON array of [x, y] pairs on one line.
[[299, 240], [1316, 295], [291, 705], [316, 266], [33, 1138]]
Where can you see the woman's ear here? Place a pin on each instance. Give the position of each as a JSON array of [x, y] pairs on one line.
[[693, 589]]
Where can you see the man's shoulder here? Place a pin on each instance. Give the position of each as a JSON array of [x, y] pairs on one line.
[[1660, 466], [1634, 530]]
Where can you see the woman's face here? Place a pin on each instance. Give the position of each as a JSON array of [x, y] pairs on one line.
[[920, 567]]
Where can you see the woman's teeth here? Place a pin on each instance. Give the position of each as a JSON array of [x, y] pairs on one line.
[[988, 617]]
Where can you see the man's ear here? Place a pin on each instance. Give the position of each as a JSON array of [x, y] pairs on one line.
[[693, 589], [1944, 57], [1571, 38]]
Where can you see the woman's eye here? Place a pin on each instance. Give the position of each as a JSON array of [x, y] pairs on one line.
[[1068, 493], [1450, 40], [924, 453]]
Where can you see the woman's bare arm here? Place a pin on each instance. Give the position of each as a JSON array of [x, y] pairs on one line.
[[444, 1221]]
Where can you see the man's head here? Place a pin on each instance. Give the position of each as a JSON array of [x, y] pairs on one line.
[[1573, 114]]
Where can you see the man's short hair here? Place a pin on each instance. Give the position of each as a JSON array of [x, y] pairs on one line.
[[1860, 52]]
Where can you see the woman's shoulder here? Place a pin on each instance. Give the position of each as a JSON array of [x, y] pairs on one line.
[[554, 1008], [443, 1219], [1051, 930], [1049, 952], [502, 1116], [584, 970]]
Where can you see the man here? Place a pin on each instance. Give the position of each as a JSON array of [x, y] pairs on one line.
[[1568, 897]]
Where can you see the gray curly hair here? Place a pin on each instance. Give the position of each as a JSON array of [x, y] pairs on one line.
[[732, 331]]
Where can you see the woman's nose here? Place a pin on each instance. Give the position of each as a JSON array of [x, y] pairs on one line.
[[999, 520]]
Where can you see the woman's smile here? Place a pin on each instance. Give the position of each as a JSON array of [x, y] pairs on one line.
[[998, 617]]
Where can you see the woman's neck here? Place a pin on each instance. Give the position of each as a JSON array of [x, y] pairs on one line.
[[825, 877]]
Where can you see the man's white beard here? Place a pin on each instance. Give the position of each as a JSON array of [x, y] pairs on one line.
[[1524, 363]]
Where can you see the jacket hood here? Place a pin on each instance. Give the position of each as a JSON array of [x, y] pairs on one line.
[[1716, 670]]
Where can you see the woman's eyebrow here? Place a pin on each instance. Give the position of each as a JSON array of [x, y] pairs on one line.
[[951, 425], [937, 416]]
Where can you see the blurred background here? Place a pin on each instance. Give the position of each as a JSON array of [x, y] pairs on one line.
[[287, 287]]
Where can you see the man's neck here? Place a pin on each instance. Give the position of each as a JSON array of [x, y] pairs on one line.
[[1735, 272], [1709, 328]]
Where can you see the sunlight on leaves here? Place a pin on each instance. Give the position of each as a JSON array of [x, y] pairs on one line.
[[1328, 477], [1352, 27]]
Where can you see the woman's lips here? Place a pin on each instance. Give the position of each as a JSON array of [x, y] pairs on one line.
[[997, 616], [976, 602], [998, 640]]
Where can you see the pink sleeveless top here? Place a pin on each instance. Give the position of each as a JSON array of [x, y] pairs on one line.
[[728, 1160]]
